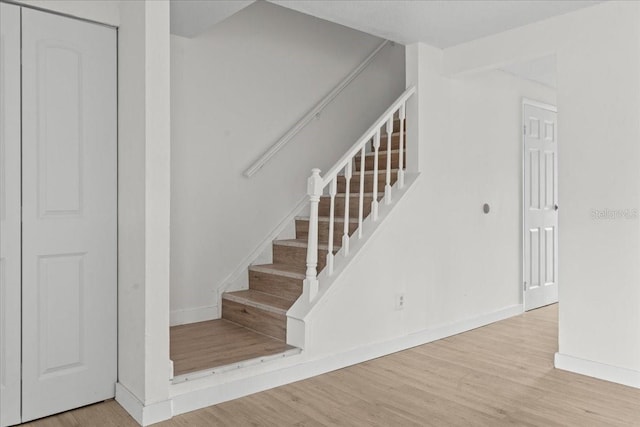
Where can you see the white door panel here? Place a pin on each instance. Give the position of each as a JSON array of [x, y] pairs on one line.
[[540, 252], [69, 213], [9, 214]]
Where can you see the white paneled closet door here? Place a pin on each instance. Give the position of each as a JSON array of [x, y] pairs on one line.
[[69, 213], [9, 214]]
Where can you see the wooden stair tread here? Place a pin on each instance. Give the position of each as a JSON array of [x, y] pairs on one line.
[[327, 218], [192, 344], [302, 243], [352, 194], [370, 172], [392, 135], [381, 152], [355, 195], [291, 271], [260, 300]]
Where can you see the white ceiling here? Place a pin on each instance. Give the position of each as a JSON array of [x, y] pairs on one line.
[[439, 23]]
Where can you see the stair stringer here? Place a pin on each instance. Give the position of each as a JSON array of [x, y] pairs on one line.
[[301, 312]]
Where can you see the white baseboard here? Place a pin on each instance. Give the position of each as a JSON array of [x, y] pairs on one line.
[[193, 315], [598, 370], [215, 389], [144, 415]]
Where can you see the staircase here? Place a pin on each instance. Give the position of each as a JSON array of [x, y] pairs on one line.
[[344, 206], [274, 288]]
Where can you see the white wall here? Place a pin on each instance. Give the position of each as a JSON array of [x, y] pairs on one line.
[[599, 275], [235, 90], [598, 65], [452, 262], [457, 267]]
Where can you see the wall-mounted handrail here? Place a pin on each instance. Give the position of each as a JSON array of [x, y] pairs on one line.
[[317, 184], [313, 113]]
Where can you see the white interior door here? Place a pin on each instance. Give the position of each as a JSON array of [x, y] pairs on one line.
[[9, 214], [69, 213], [540, 222]]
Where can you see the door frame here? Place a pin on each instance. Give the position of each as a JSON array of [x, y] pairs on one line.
[[10, 231], [526, 101]]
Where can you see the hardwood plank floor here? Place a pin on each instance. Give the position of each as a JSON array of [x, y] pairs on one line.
[[205, 345], [501, 374]]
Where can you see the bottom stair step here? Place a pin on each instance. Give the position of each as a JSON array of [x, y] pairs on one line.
[[233, 346], [258, 311]]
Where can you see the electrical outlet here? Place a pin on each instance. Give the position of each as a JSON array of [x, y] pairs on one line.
[[400, 301]]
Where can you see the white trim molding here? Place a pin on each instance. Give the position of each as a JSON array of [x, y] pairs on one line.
[[144, 415], [543, 105], [602, 371]]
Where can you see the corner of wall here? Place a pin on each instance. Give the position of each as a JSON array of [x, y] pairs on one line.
[[143, 199], [615, 374], [143, 415]]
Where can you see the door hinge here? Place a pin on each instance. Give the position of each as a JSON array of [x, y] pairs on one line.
[[524, 129], [525, 286]]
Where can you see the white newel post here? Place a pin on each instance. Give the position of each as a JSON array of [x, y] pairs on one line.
[[314, 190]]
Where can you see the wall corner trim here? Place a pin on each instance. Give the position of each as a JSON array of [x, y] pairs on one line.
[[143, 415], [602, 371]]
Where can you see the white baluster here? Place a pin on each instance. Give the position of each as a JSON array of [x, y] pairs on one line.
[[374, 203], [401, 160], [314, 190], [361, 204], [347, 178], [387, 187], [333, 189]]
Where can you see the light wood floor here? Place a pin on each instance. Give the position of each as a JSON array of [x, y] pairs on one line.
[[205, 345], [498, 375]]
